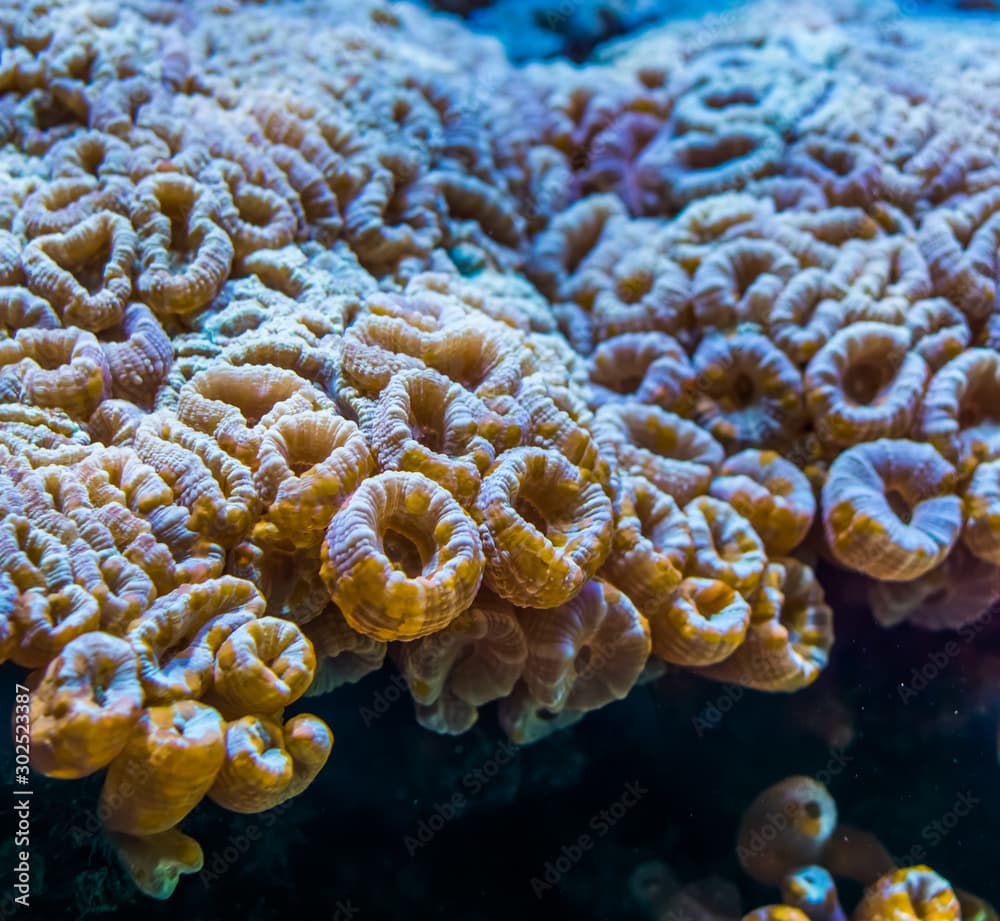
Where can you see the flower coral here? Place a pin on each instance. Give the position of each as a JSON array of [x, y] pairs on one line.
[[890, 509], [402, 557]]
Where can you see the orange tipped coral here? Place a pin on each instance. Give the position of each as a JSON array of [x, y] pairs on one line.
[[739, 281], [771, 493], [652, 544], [647, 367], [139, 355], [70, 270], [749, 392], [217, 489], [428, 424], [704, 622], [674, 454], [959, 245], [957, 592], [59, 368], [184, 254], [864, 384], [726, 547], [307, 464], [806, 314], [558, 420], [790, 634], [236, 406], [178, 638]]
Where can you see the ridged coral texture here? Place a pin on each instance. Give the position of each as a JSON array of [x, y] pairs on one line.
[[342, 340]]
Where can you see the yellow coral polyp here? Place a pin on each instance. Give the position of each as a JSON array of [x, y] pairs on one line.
[[726, 547], [909, 893], [706, 622], [177, 639], [171, 210], [771, 493], [83, 709], [307, 464], [263, 665], [545, 527], [865, 384], [651, 547], [890, 509], [790, 634], [178, 749], [402, 558], [60, 267], [267, 763]]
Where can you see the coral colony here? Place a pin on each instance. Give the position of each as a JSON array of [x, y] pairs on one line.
[[534, 382]]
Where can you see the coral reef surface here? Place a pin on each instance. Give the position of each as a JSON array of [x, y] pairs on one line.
[[329, 336]]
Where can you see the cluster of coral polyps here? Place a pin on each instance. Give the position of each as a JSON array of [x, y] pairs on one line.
[[326, 334], [790, 838], [810, 894]]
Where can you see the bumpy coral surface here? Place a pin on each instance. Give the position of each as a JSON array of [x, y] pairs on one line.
[[519, 376]]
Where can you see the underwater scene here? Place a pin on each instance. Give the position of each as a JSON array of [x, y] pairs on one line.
[[500, 459]]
